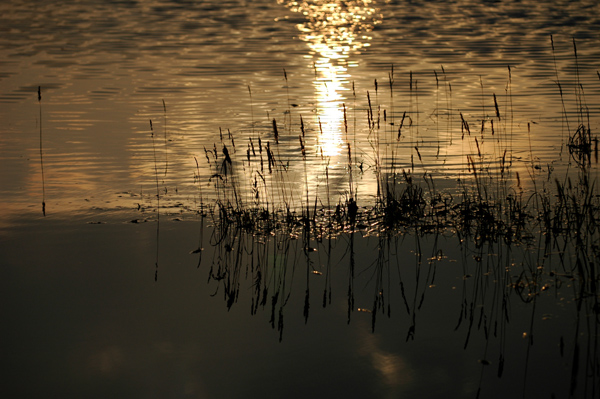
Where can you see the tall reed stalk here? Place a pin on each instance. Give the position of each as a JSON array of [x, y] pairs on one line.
[[166, 139], [42, 154], [157, 201], [565, 117]]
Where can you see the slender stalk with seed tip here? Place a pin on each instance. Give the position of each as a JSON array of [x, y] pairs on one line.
[[303, 150], [354, 118], [157, 201], [251, 110], [437, 112], [578, 89], [509, 92], [42, 154], [482, 99], [562, 100], [349, 153], [417, 108], [448, 103], [287, 90], [199, 186], [166, 148], [391, 83]]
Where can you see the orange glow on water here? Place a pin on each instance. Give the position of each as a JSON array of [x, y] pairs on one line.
[[335, 32]]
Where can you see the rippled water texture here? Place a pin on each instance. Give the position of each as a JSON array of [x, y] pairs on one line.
[[148, 111], [105, 69]]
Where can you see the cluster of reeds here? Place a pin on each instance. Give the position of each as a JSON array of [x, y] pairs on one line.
[[271, 225], [262, 187], [259, 187], [523, 231], [489, 203]]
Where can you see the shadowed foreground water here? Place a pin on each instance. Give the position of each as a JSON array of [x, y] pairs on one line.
[[370, 316]]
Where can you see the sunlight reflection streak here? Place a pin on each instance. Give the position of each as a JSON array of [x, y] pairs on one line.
[[334, 30]]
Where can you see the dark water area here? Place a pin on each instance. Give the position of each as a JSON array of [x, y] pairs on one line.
[[83, 316], [272, 198]]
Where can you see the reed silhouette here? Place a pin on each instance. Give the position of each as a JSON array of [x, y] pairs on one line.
[[42, 153], [523, 232]]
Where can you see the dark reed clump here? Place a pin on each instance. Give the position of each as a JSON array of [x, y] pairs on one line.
[[488, 203], [498, 204], [281, 184]]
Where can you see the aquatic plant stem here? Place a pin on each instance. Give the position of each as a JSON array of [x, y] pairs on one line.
[[157, 202], [251, 110], [42, 154], [562, 100], [166, 141]]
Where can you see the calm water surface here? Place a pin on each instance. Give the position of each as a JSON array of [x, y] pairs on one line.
[[83, 315], [105, 69]]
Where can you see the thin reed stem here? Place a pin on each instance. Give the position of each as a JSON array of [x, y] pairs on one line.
[[157, 201], [166, 140], [42, 154]]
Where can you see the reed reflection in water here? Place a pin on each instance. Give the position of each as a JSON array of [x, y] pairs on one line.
[[512, 307]]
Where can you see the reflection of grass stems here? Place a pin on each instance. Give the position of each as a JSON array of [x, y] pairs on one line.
[[42, 154]]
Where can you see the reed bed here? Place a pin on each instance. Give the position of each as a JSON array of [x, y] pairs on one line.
[[258, 191], [523, 231], [259, 188]]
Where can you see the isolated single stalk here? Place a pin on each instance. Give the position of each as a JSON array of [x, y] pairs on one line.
[[157, 201], [166, 145], [42, 154]]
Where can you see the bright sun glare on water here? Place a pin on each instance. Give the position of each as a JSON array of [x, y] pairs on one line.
[[334, 32]]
